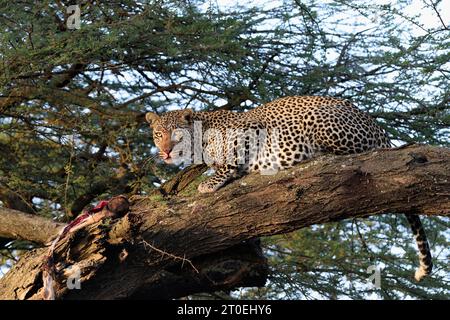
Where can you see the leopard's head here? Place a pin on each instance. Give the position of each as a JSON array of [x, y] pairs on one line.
[[165, 130]]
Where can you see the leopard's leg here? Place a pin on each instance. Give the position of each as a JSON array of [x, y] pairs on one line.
[[222, 175]]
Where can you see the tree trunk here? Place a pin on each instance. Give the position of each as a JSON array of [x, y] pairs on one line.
[[168, 247]]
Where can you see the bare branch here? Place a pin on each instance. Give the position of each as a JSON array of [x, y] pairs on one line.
[[18, 225]]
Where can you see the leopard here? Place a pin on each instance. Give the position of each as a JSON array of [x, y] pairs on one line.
[[276, 136]]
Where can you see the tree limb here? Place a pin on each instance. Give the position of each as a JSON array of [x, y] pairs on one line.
[[18, 225], [330, 188]]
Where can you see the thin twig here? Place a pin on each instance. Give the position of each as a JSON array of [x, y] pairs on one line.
[[170, 255]]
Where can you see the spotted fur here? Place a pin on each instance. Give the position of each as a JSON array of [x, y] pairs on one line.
[[296, 129], [426, 263]]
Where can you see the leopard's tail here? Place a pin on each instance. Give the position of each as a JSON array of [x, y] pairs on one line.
[[426, 264]]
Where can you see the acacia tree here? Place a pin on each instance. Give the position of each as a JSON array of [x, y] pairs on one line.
[[72, 105]]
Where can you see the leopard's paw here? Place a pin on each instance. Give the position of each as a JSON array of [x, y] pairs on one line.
[[206, 187]]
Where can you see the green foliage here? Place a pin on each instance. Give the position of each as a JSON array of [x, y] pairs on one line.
[[331, 261], [72, 105]]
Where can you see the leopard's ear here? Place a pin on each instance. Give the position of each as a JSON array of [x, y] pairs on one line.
[[187, 116], [151, 118]]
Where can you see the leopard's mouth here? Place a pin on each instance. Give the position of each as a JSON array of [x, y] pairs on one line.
[[167, 158]]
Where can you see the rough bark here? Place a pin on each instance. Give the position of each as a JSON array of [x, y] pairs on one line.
[[127, 258], [182, 179], [18, 225]]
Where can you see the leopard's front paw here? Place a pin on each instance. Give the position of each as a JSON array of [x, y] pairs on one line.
[[206, 187]]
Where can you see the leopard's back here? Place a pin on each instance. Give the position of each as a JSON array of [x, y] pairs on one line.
[[310, 124]]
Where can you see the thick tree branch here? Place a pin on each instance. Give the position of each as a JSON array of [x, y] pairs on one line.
[[182, 179], [18, 225], [160, 233], [243, 265]]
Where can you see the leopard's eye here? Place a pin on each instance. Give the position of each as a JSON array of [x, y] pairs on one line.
[[158, 135]]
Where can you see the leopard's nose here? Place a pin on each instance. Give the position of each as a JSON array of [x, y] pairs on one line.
[[166, 153]]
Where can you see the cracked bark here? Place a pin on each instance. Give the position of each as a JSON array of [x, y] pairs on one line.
[[130, 258]]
